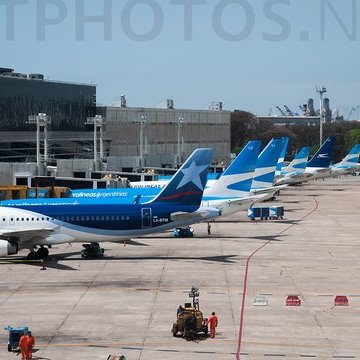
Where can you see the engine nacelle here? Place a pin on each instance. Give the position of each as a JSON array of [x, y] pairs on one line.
[[8, 248]]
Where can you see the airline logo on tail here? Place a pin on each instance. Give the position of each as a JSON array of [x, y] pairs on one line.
[[236, 180], [187, 185], [266, 164], [349, 162], [192, 174], [323, 156]]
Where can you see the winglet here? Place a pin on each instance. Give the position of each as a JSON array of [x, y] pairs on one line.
[[187, 185], [323, 156]]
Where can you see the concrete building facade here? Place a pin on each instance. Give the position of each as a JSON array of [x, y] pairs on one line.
[[166, 134]]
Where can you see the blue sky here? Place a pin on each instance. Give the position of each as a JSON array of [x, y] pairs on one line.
[[251, 55]]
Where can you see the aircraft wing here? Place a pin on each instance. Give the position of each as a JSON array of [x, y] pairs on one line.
[[227, 206], [203, 213], [26, 234], [41, 236], [271, 189]]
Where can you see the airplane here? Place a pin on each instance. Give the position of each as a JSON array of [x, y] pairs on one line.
[[262, 183], [27, 224], [258, 186], [348, 164], [230, 193], [319, 165], [295, 171], [265, 169]]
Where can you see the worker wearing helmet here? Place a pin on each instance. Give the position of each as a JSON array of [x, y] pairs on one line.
[[31, 344], [213, 323], [23, 345]]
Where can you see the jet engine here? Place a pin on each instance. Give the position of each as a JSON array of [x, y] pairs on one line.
[[8, 248]]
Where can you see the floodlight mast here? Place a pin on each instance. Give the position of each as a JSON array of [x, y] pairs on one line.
[[179, 125], [143, 124], [41, 120], [99, 122], [321, 90]]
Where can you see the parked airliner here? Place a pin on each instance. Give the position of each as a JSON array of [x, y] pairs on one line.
[[319, 165], [45, 222], [295, 171], [348, 164]]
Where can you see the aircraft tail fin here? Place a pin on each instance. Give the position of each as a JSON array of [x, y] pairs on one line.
[[281, 160], [237, 178], [323, 156], [266, 164], [187, 185], [299, 163], [352, 157]]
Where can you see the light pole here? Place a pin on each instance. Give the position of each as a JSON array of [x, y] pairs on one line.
[[99, 122], [321, 91], [143, 123], [179, 125], [42, 121]]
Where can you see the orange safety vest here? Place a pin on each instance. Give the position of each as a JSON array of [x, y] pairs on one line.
[[23, 342]]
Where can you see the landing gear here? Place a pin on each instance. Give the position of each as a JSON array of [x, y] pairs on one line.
[[42, 253]]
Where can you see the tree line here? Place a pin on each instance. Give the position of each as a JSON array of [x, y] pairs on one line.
[[246, 126]]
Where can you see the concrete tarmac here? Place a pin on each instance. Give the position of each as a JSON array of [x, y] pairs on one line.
[[125, 303]]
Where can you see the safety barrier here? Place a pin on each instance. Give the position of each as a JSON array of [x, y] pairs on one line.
[[341, 300], [260, 301], [293, 300]]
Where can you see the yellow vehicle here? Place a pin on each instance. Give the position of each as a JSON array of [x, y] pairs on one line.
[[190, 320]]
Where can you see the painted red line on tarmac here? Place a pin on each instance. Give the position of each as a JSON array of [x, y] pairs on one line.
[[242, 311]]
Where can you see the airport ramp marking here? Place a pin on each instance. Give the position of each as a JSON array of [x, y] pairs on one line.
[[247, 265]]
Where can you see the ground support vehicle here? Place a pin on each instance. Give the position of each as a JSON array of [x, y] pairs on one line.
[[266, 213], [15, 333], [190, 320], [92, 250], [183, 232]]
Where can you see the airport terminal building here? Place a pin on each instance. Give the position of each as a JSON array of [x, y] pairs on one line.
[[131, 137], [169, 136], [22, 95]]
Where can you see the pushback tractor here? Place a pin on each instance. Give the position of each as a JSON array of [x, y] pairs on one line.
[[190, 320]]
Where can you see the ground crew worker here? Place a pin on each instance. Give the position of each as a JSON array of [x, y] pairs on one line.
[[31, 344], [23, 345], [213, 323]]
